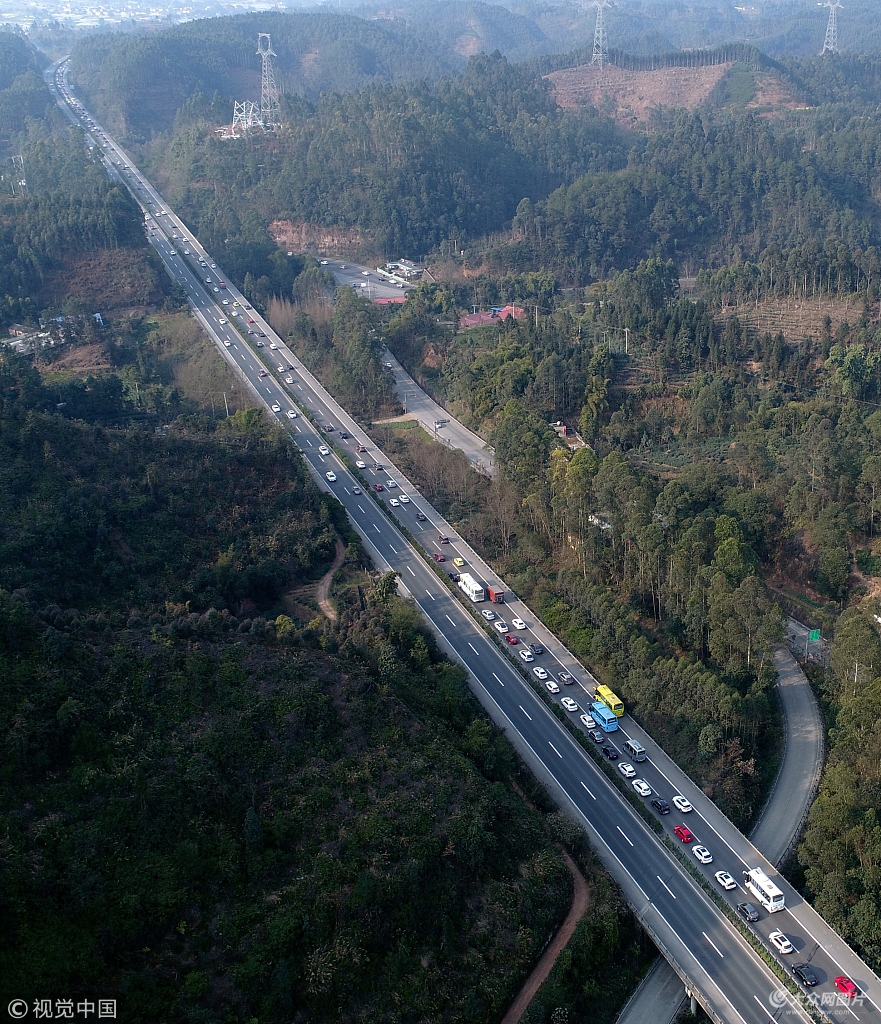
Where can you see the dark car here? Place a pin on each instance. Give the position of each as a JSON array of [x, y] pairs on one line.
[[454, 576], [361, 448], [343, 435], [377, 466], [536, 648], [805, 973], [328, 427], [661, 806], [611, 753], [378, 487], [748, 912], [596, 736], [262, 335], [421, 516], [442, 539], [566, 678]]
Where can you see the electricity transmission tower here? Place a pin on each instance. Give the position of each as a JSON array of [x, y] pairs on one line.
[[600, 42], [830, 44], [269, 113]]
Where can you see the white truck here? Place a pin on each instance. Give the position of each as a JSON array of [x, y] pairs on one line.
[[472, 588]]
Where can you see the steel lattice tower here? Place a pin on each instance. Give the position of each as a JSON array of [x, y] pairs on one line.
[[600, 43], [269, 113], [830, 43]]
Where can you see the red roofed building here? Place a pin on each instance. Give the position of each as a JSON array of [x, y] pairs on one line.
[[498, 314]]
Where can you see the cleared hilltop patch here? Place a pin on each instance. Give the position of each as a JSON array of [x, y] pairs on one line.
[[631, 97]]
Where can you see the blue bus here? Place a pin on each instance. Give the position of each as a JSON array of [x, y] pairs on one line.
[[606, 719]]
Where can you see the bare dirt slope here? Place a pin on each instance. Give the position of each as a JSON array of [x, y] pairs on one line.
[[630, 97]]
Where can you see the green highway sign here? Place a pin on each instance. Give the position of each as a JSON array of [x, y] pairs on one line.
[[814, 635]]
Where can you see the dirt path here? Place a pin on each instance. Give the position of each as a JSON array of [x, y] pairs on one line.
[[322, 594], [558, 944]]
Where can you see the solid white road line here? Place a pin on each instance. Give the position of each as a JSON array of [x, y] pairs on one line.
[[557, 752], [713, 944], [525, 712], [667, 887], [586, 790], [622, 833]]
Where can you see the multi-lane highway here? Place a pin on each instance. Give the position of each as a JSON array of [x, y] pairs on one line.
[[705, 946]]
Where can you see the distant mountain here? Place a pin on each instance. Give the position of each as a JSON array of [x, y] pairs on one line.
[[472, 27], [138, 82]]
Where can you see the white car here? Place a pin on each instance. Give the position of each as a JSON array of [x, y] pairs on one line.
[[541, 674], [627, 770], [331, 475], [323, 449], [356, 490], [487, 614], [681, 804], [280, 366], [273, 345], [394, 502], [391, 484], [360, 464], [588, 721], [289, 379], [518, 623], [222, 321], [642, 787], [225, 302], [216, 288], [725, 880], [292, 414], [276, 407], [780, 942], [569, 704], [702, 854], [501, 626], [214, 266], [526, 655], [226, 343], [324, 263], [405, 499], [551, 686]]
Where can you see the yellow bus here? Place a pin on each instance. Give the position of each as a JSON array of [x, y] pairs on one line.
[[612, 702]]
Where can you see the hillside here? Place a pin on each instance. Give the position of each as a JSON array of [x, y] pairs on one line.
[[636, 98]]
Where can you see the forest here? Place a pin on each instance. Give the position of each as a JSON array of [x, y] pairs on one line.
[[213, 810]]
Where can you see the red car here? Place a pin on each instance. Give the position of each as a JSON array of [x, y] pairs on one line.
[[378, 487], [511, 639], [438, 557], [846, 986], [684, 834], [262, 373], [250, 319]]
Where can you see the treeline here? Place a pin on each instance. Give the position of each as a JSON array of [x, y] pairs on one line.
[[137, 82], [842, 843], [23, 93], [64, 208], [710, 188], [404, 166]]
